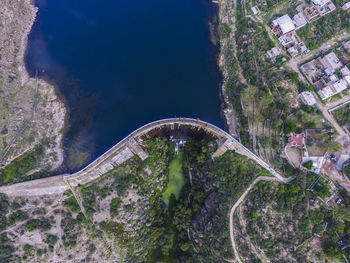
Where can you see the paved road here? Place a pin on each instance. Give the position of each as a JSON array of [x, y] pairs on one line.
[[234, 207]]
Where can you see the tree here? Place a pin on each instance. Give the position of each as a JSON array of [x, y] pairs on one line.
[[347, 170], [335, 147], [290, 126], [249, 93], [305, 118], [308, 164]]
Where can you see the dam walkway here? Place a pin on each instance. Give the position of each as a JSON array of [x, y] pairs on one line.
[[126, 149]]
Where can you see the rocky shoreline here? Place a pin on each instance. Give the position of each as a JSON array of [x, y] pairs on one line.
[[46, 125], [226, 16]]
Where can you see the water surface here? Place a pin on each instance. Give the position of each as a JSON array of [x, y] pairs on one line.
[[121, 64]]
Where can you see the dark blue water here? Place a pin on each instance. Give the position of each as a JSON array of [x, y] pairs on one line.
[[120, 64]]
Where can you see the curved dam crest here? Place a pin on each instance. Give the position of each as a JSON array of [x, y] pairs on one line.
[[126, 149]]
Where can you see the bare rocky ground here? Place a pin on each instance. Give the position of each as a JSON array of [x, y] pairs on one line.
[[50, 229], [17, 93]]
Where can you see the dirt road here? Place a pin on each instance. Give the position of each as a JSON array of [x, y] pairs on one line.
[[239, 201]]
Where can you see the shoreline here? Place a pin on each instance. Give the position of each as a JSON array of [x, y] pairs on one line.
[[213, 21], [60, 124], [227, 111]]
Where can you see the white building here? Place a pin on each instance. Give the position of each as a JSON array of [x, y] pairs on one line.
[[320, 2], [285, 24], [308, 98], [254, 10], [345, 71], [334, 88], [346, 6]]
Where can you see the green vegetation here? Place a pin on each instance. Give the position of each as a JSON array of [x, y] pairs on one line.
[[285, 219], [290, 126], [17, 216], [308, 164], [176, 179], [72, 204], [17, 169], [199, 212], [335, 147], [324, 28], [317, 141], [342, 115], [346, 170], [114, 206], [51, 239], [42, 224], [6, 248]]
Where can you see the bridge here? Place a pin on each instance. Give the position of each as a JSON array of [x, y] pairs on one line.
[[127, 148]]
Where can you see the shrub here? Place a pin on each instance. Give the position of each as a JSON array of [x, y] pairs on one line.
[[51, 239], [308, 164], [32, 225], [115, 204]]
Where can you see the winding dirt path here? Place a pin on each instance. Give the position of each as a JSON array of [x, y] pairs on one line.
[[239, 201]]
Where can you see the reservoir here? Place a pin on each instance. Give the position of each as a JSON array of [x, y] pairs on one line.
[[120, 64]]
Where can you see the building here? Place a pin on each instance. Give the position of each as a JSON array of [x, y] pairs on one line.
[[273, 53], [331, 63], [317, 162], [311, 70], [293, 51], [299, 20], [347, 79], [346, 6], [307, 98], [333, 89], [320, 2], [254, 10], [293, 43], [297, 140], [311, 12], [282, 25], [345, 71], [326, 9]]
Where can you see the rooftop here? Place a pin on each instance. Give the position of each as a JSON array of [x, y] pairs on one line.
[[331, 62], [298, 140], [299, 20], [320, 2], [308, 98], [346, 6], [285, 22]]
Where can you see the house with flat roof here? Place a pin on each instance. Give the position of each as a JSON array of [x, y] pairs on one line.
[[345, 71], [307, 98], [326, 9], [299, 20], [282, 25], [320, 2], [273, 53], [331, 62], [346, 6], [333, 89], [254, 10], [311, 12]]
